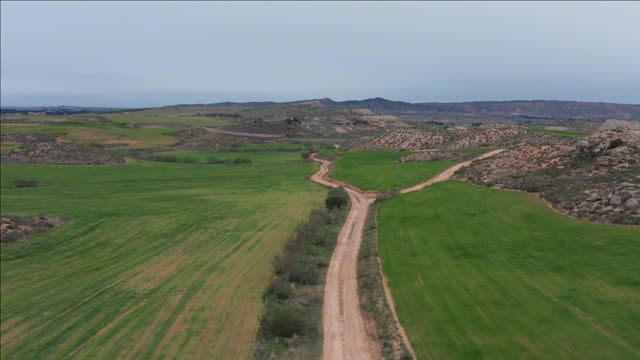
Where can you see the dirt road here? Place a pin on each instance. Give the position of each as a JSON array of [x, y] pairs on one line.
[[445, 175], [344, 332], [345, 336]]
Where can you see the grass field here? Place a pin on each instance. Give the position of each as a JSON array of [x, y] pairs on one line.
[[100, 133], [255, 156], [155, 260], [375, 170], [482, 273]]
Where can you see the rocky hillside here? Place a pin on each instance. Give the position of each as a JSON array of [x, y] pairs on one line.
[[45, 149], [451, 138], [595, 178]]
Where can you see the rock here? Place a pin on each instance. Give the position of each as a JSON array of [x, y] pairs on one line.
[[594, 197], [615, 200], [632, 203]]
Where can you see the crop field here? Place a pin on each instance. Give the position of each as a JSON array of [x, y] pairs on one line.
[[100, 133], [483, 273], [154, 260], [255, 156], [376, 170]]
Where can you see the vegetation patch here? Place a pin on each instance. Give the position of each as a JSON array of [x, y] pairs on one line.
[[13, 228], [373, 301], [485, 273], [291, 326], [155, 260], [377, 170]]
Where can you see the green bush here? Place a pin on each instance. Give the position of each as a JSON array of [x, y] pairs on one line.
[[22, 183], [304, 272], [280, 288], [241, 161], [214, 160], [306, 154], [165, 158], [285, 321], [615, 143], [337, 198], [187, 159]]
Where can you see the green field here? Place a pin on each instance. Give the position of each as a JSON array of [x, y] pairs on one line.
[[483, 273], [100, 133], [375, 170], [155, 260], [571, 134], [255, 156]]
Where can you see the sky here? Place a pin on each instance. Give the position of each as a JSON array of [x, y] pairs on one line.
[[129, 54]]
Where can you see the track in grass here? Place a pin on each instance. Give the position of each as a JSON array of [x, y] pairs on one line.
[[483, 273], [155, 259], [376, 170]]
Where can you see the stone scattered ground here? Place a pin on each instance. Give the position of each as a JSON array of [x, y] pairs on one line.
[[62, 153], [200, 138], [13, 228], [452, 138], [595, 178], [45, 149], [437, 155]]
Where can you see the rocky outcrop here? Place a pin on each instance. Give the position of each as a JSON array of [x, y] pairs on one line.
[[14, 228], [452, 138], [63, 153], [596, 178]]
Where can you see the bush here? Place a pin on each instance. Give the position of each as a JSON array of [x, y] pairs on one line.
[[214, 160], [21, 183], [615, 143], [284, 321], [165, 158], [337, 198], [303, 272], [187, 160], [306, 154], [241, 161], [280, 288]]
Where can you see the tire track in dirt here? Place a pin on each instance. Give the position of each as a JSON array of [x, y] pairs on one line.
[[345, 336]]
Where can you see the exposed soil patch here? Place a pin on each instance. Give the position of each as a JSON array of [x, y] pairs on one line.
[[13, 228]]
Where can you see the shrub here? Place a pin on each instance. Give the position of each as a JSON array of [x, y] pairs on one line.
[[306, 154], [214, 160], [187, 159], [21, 183], [303, 272], [241, 161], [615, 143], [337, 198], [284, 321], [280, 288], [165, 158]]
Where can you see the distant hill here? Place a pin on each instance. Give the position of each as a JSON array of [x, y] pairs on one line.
[[516, 110], [534, 109], [513, 110]]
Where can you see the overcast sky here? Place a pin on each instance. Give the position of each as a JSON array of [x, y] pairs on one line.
[[147, 54]]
